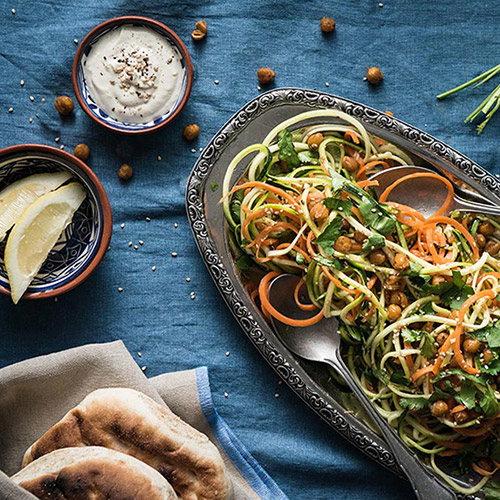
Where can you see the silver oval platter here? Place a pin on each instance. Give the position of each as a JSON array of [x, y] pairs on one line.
[[250, 125]]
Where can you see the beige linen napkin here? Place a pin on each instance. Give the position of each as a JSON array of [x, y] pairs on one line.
[[36, 393]]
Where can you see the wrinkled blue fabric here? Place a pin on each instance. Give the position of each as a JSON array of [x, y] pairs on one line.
[[422, 47]]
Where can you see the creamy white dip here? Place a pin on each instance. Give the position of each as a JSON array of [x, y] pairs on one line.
[[133, 74]]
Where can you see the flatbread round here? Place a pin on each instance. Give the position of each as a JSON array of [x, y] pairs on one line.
[[93, 472], [128, 421]]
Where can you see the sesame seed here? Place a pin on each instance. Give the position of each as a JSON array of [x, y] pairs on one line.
[[61, 146], [136, 247], [280, 382], [130, 243], [176, 225], [11, 110], [31, 120], [226, 395], [380, 5], [32, 98], [158, 158], [153, 268], [139, 354], [216, 82], [13, 12], [373, 210], [122, 225], [144, 368], [277, 395], [75, 41], [56, 299], [327, 84], [188, 279], [227, 353], [365, 79], [43, 99], [141, 242], [148, 219], [193, 150], [37, 115], [259, 88], [57, 139], [174, 254], [120, 289], [201, 149], [22, 83]]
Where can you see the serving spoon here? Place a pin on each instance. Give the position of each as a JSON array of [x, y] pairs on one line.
[[427, 194], [321, 343]]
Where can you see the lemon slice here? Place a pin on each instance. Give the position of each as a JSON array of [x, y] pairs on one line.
[[15, 198], [36, 232]]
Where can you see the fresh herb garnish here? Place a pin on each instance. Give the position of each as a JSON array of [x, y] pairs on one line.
[[375, 218], [214, 186], [411, 335], [414, 403], [491, 490], [490, 334], [468, 394], [428, 349], [330, 234], [287, 151], [453, 293], [244, 262], [374, 242], [488, 402], [344, 206]]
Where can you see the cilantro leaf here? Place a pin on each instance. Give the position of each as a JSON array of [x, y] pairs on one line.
[[329, 262], [214, 186], [300, 259], [235, 206], [492, 490], [344, 206], [491, 368], [490, 334], [413, 403], [244, 262], [453, 293], [380, 374], [427, 349], [286, 150], [414, 269], [399, 377], [375, 218], [411, 335], [468, 394], [374, 242], [488, 402], [330, 234]]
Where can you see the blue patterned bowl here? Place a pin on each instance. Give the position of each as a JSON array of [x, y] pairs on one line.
[[84, 242], [89, 105]]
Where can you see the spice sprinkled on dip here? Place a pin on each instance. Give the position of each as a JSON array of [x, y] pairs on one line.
[[134, 74]]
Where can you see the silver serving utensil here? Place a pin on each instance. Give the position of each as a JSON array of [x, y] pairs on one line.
[[321, 343], [426, 195]]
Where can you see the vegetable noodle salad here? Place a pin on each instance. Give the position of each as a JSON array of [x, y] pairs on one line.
[[416, 298]]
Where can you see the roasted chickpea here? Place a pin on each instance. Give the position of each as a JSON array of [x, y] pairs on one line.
[[125, 172], [487, 355], [64, 105], [315, 140], [393, 282], [393, 312], [486, 228], [472, 345], [343, 244], [401, 262], [265, 76], [318, 211], [399, 298], [191, 132], [461, 417], [82, 151], [374, 75], [454, 362], [439, 408], [327, 25], [492, 247], [377, 257], [359, 237], [350, 164], [314, 197], [429, 326], [441, 338], [480, 240]]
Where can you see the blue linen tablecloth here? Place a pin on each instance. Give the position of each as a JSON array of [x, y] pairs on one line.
[[422, 48]]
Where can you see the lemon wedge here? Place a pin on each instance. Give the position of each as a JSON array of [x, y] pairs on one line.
[[17, 196], [36, 232]]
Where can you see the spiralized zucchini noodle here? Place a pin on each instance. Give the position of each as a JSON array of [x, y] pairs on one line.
[[416, 298]]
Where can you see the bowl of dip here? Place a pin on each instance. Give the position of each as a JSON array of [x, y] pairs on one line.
[[132, 74], [83, 243]]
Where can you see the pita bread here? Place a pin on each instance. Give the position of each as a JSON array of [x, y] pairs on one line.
[[93, 473], [128, 421]]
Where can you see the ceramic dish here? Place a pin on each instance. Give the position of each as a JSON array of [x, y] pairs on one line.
[[83, 243], [248, 126], [87, 102]]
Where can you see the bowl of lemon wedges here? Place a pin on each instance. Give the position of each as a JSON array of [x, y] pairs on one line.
[[55, 221]]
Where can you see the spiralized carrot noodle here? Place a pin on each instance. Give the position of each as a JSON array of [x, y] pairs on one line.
[[449, 197]]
